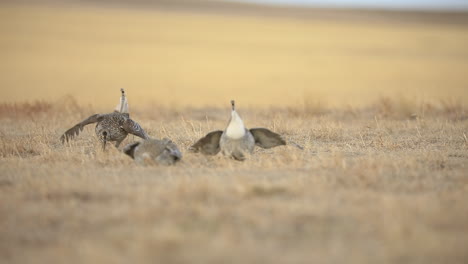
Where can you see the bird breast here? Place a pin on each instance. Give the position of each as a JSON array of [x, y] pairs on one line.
[[236, 128]]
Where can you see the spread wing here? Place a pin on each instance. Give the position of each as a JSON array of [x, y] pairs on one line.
[[134, 128], [209, 144], [130, 149], [74, 131], [266, 139]]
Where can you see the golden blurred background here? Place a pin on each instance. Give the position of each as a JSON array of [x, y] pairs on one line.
[[207, 55]]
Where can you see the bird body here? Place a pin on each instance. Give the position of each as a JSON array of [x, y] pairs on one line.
[[154, 151], [116, 126], [111, 127], [236, 141], [237, 147]]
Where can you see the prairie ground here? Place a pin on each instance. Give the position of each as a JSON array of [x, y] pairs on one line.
[[372, 185], [378, 105]]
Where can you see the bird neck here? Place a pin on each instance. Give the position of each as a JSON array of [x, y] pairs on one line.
[[235, 128]]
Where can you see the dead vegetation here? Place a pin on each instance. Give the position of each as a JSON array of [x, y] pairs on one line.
[[372, 184]]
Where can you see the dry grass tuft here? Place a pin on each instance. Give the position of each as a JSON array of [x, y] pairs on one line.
[[411, 109], [21, 110]]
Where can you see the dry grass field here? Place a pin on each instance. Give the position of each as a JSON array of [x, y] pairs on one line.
[[371, 186], [379, 108]]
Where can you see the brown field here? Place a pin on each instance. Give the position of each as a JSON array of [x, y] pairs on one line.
[[371, 185], [379, 108]]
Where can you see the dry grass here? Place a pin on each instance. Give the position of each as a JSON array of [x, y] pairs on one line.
[[371, 185]]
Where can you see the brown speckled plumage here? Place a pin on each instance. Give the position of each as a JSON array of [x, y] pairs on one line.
[[112, 127]]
